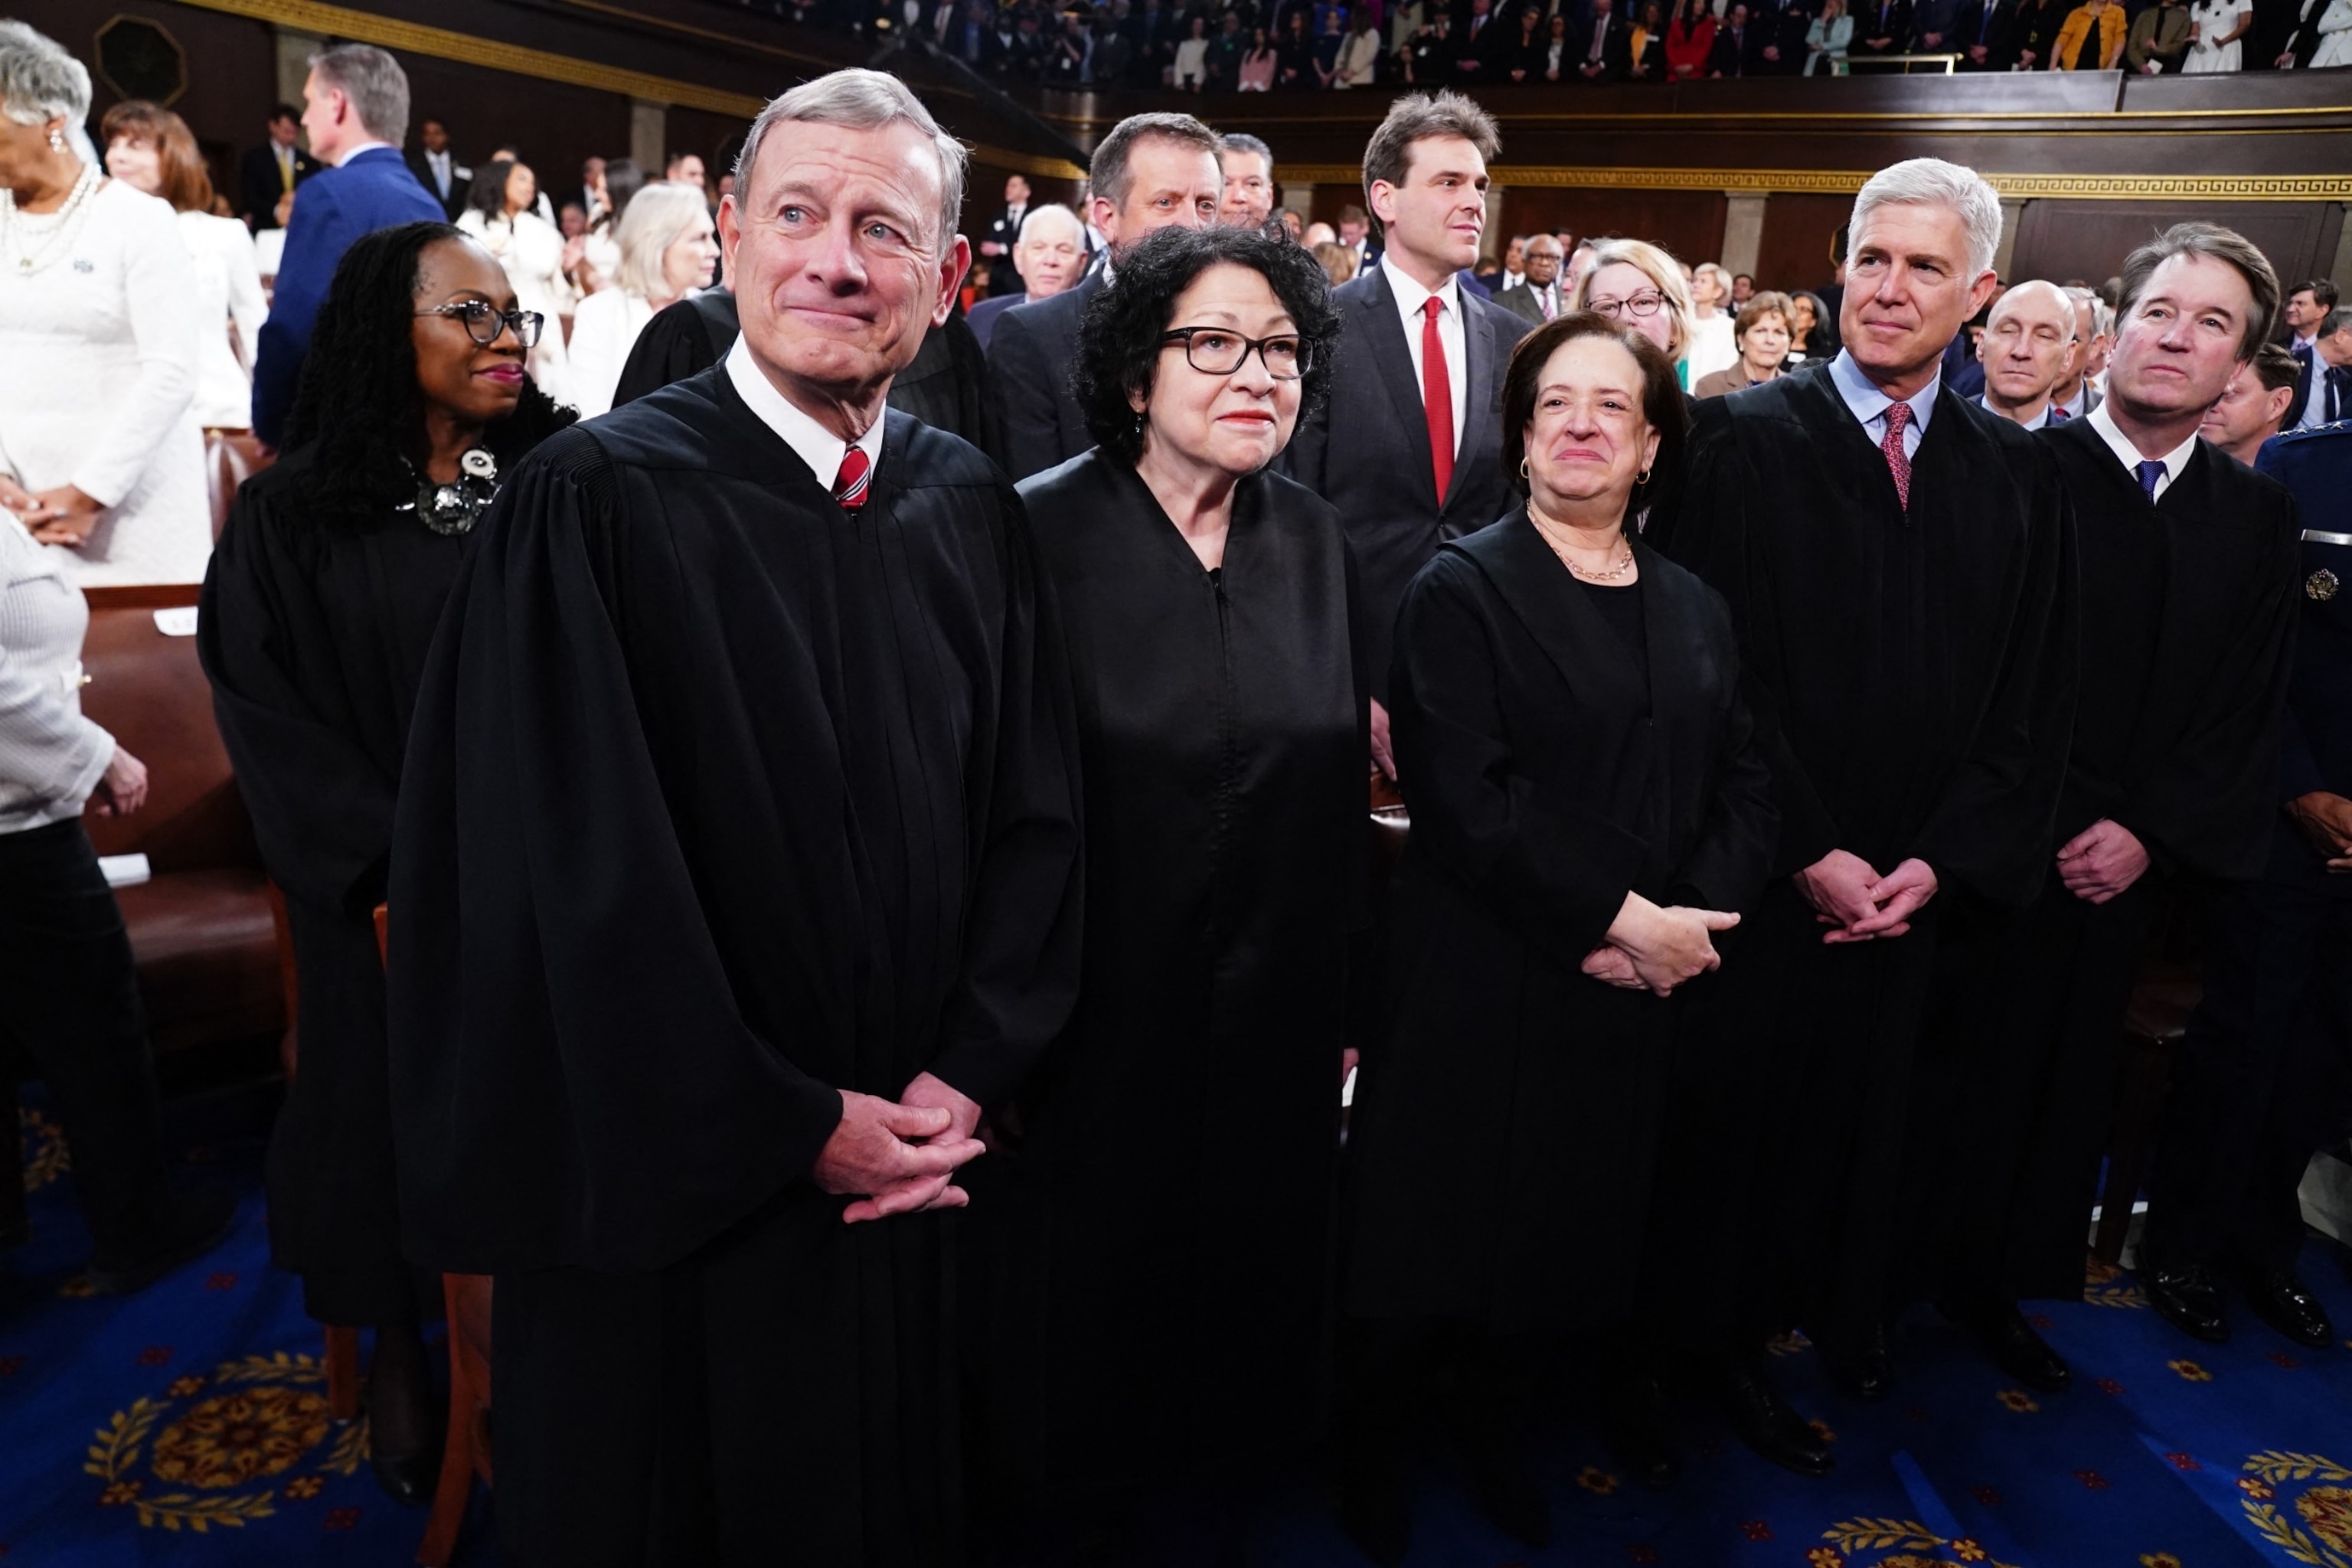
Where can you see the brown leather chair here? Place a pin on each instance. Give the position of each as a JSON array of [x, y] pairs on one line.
[[231, 458], [200, 929]]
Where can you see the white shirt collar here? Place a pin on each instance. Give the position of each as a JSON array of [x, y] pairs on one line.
[[814, 445], [1862, 395], [2103, 420], [352, 152], [2038, 422], [1410, 294]]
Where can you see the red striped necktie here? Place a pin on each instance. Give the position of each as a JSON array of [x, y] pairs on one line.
[[849, 489]]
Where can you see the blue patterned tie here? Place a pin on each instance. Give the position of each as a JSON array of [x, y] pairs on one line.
[[2150, 472]]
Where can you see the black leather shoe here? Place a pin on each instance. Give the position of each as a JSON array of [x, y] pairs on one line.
[[2280, 1300], [1508, 1494], [2189, 1299], [194, 1224], [1768, 1426], [2013, 1345], [410, 1479], [1860, 1369], [1641, 1433], [1374, 1515]]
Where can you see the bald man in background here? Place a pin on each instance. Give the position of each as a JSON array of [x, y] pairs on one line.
[[2032, 342]]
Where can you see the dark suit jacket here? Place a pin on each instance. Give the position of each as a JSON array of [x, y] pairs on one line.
[[1896, 27], [461, 182], [1783, 28], [2316, 749], [1735, 51], [983, 316], [1999, 35], [1616, 50], [1366, 451], [1003, 277], [1031, 349], [339, 206], [1520, 300], [261, 186]]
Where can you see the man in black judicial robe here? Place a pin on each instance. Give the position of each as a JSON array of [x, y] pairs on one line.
[[2187, 559], [1905, 601], [736, 872], [1153, 171]]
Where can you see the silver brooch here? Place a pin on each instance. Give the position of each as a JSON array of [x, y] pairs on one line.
[[479, 463], [2321, 585]]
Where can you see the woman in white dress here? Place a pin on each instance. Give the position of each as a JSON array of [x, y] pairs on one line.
[[532, 251], [1714, 346], [667, 253], [151, 150], [100, 456], [2217, 27]]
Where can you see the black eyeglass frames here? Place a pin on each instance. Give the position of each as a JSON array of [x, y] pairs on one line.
[[485, 322], [1215, 351]]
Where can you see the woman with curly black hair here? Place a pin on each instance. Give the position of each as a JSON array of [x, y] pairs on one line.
[[1175, 1165], [322, 598]]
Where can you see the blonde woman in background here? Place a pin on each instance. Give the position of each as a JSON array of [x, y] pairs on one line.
[[1637, 285], [1713, 344], [668, 252], [504, 218], [151, 150], [1827, 38]]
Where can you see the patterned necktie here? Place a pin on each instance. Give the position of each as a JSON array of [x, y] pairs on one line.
[[1898, 461], [849, 489], [2058, 416], [1436, 397], [2150, 472]]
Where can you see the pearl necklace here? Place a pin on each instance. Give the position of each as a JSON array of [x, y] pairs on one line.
[[1608, 573], [50, 233]]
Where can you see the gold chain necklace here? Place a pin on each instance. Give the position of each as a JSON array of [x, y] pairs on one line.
[[1610, 573]]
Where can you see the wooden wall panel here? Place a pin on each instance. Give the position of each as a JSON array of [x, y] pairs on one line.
[[556, 127], [2061, 240], [1688, 224], [1795, 250]]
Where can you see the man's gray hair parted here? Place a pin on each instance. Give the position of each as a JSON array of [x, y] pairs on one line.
[[39, 80], [375, 85], [1931, 182], [862, 100]]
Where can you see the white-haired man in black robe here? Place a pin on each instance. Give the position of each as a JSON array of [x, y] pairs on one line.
[[738, 871]]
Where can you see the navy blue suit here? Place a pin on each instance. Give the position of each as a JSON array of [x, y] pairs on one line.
[[2267, 1047], [333, 208], [981, 316]]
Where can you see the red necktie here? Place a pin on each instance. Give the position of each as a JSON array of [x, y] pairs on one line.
[[849, 489], [1436, 397], [1898, 462]]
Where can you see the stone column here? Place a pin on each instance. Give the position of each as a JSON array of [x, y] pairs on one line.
[[1299, 197], [1743, 231], [295, 48], [1492, 243], [648, 135], [2340, 269], [2013, 212]]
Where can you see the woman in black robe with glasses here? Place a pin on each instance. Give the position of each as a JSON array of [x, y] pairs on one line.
[[1172, 1172], [321, 600], [1588, 811]]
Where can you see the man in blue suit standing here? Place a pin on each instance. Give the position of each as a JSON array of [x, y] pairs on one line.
[[356, 112]]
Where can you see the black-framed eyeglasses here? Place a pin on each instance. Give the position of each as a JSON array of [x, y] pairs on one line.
[[485, 322], [1646, 303], [1216, 350]]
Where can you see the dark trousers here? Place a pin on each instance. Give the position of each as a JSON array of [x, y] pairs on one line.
[[70, 1010], [2264, 1084]]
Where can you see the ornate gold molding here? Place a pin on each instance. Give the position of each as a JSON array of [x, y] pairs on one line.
[[1846, 182]]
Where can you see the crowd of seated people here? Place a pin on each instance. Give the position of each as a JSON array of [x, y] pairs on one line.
[[1754, 868], [1223, 46]]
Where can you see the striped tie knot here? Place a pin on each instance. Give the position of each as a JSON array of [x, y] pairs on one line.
[[856, 468]]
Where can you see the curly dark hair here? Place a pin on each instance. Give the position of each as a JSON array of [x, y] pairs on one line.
[[1119, 339], [1662, 396], [358, 399]]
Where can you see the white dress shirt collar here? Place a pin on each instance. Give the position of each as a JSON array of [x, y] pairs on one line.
[[814, 445], [352, 152], [1410, 295], [2103, 420], [2039, 421], [1452, 337]]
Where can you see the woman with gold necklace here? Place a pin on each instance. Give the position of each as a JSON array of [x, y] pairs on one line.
[[1589, 810], [100, 456]]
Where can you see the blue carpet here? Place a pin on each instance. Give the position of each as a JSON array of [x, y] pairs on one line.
[[187, 1426]]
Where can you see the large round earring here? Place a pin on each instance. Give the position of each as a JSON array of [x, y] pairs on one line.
[[1523, 470], [1642, 478]]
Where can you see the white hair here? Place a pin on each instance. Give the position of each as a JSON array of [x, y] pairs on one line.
[[1931, 182], [39, 81], [862, 100], [1053, 213], [649, 226]]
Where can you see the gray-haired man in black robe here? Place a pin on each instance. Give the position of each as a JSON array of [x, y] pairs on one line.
[[737, 871], [2188, 561], [1899, 566]]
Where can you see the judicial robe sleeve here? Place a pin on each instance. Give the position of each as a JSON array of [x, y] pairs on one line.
[[2206, 805], [1705, 526], [1989, 829], [1022, 380], [321, 809], [560, 1010], [1555, 873], [1727, 867], [680, 341]]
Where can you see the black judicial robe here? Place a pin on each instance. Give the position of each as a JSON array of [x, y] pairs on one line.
[[720, 799], [1164, 1308], [2187, 613], [1503, 1137], [1912, 677], [313, 630]]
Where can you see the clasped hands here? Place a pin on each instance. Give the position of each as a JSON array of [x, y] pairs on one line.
[[2101, 861], [59, 516], [1848, 895], [2326, 821], [900, 1156], [1655, 949]]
